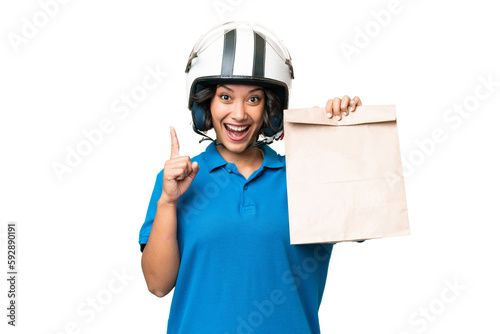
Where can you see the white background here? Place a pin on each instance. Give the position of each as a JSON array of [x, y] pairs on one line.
[[77, 233]]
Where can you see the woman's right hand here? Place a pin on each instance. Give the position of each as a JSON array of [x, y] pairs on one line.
[[178, 173]]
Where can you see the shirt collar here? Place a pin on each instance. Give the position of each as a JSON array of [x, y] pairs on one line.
[[271, 158], [214, 159]]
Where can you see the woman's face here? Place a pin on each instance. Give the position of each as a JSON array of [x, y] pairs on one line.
[[237, 115]]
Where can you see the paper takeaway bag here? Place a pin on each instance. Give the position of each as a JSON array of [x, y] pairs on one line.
[[344, 178]]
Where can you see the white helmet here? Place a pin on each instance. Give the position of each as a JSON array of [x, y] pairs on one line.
[[242, 53]]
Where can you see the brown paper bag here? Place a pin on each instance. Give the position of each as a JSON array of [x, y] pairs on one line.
[[345, 178]]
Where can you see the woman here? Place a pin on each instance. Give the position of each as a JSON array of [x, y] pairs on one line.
[[217, 224]]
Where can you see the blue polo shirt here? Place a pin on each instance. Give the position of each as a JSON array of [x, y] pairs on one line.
[[238, 272]]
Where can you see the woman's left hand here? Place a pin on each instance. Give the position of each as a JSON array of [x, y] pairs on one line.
[[336, 107]]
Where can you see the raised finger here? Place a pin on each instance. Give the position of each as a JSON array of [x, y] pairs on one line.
[[174, 148]]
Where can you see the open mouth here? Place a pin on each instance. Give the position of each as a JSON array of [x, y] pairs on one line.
[[236, 133]]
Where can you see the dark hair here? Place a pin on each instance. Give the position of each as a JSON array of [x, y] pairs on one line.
[[272, 108]]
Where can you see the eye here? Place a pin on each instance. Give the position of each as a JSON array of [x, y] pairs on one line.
[[254, 99], [224, 97]]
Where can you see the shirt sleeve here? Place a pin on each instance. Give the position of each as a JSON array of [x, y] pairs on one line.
[[151, 213]]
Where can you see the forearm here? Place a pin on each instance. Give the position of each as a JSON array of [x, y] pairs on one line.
[[160, 258]]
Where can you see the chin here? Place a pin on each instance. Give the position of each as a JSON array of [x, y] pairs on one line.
[[236, 147]]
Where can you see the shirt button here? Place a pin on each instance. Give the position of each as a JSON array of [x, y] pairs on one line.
[[245, 187], [229, 169]]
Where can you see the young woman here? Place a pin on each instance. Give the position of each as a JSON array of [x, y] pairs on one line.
[[217, 223]]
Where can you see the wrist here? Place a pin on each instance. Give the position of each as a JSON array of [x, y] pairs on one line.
[[165, 202]]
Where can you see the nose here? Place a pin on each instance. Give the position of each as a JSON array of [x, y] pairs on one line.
[[238, 112]]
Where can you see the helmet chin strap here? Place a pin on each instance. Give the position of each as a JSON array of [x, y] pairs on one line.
[[258, 143]]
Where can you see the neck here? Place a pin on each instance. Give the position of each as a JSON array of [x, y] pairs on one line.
[[249, 157]]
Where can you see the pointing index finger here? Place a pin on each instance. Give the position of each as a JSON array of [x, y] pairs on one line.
[[174, 149]]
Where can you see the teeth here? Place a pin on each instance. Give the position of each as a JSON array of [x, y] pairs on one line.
[[236, 128]]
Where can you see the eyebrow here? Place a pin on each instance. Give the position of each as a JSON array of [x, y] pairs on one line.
[[253, 90]]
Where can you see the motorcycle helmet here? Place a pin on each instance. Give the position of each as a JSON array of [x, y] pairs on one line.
[[239, 53]]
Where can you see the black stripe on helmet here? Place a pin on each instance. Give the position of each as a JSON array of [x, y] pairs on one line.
[[228, 53], [259, 56]]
